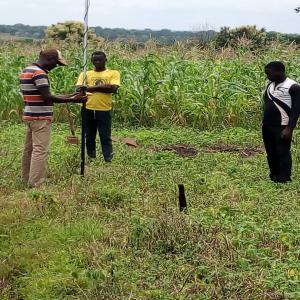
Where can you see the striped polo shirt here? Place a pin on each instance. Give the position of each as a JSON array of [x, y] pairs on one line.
[[36, 108]]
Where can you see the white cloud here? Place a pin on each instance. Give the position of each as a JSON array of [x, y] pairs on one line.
[[183, 15]]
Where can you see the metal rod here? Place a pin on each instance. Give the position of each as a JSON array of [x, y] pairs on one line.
[[83, 108]]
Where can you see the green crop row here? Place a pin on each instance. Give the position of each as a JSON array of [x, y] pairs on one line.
[[181, 85]]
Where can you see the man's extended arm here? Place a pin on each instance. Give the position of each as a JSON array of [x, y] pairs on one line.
[[48, 97]]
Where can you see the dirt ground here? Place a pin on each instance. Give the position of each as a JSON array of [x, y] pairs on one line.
[[189, 151]]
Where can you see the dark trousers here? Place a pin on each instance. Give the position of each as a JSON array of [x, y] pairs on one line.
[[100, 121], [278, 153]]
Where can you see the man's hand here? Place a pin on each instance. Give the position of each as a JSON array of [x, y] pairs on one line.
[[287, 133], [79, 98], [71, 95], [67, 96]]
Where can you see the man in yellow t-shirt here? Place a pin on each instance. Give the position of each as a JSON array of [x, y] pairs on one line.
[[102, 83]]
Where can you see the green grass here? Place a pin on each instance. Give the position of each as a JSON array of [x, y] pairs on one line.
[[117, 233]]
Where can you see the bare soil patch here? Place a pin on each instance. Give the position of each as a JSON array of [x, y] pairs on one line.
[[190, 151], [243, 151]]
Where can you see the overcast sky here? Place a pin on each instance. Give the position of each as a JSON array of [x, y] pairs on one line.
[[275, 15]]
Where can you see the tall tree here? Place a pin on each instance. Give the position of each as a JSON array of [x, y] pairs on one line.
[[68, 31]]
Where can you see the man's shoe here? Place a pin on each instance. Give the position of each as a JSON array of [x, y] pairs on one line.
[[273, 178]]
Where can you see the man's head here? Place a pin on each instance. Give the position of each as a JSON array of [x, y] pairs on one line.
[[50, 58], [275, 71], [99, 60]]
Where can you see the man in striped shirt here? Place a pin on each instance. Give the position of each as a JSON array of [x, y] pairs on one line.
[[38, 114]]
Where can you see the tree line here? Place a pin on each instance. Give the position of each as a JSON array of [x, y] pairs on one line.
[[226, 35], [164, 36]]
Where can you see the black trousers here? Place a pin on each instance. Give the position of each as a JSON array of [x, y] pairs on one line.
[[100, 121], [278, 153]]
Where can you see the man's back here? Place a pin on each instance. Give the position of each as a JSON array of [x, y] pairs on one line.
[[31, 79]]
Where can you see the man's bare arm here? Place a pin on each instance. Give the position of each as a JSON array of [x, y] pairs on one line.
[[103, 88], [50, 98]]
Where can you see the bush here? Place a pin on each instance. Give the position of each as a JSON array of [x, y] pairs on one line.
[[248, 36], [71, 31]]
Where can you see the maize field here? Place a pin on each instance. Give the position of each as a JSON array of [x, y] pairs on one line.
[[181, 84]]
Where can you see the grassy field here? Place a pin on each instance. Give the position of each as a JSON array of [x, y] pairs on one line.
[[117, 233]]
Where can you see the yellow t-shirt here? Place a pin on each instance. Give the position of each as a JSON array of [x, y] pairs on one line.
[[99, 101]]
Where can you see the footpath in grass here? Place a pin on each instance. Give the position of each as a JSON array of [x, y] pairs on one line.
[[117, 233]]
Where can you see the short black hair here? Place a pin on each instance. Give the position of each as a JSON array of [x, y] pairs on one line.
[[98, 53], [276, 66]]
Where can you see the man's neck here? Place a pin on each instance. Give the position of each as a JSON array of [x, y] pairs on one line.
[[41, 65], [280, 80], [100, 69]]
